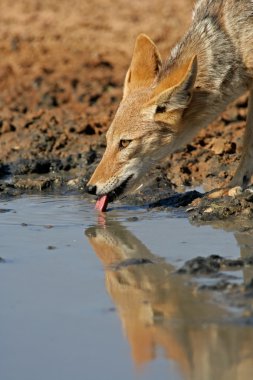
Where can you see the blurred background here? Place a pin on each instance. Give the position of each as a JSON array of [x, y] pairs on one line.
[[67, 60]]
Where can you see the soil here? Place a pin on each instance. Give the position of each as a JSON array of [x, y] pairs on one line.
[[61, 74]]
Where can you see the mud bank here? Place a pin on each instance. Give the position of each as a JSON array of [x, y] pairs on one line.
[[236, 210]]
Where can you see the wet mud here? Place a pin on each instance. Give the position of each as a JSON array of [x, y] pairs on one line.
[[237, 209]]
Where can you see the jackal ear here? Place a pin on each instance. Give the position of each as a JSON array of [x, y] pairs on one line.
[[145, 65], [173, 94]]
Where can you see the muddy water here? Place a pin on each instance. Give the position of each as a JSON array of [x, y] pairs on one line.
[[84, 297]]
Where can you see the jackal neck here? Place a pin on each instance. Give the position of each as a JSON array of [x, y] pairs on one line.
[[209, 39]]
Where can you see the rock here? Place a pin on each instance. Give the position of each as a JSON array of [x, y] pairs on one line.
[[38, 184], [201, 265], [213, 264], [73, 182], [237, 190]]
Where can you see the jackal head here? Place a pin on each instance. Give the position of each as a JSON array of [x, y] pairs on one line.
[[147, 120]]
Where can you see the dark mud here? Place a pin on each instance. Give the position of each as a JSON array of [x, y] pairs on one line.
[[231, 213], [213, 264]]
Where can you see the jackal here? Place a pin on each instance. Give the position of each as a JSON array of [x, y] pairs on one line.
[[165, 104]]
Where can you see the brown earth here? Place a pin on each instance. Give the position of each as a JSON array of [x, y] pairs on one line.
[[61, 72]]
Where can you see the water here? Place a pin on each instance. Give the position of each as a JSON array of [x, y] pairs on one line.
[[70, 311]]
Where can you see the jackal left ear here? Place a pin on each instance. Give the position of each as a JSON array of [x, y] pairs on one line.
[[145, 65], [173, 94]]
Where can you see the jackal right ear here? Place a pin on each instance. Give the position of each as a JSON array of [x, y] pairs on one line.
[[173, 93], [145, 65]]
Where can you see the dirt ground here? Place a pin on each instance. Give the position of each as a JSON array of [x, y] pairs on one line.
[[61, 72], [62, 68]]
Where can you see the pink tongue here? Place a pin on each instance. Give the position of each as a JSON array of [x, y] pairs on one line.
[[102, 203]]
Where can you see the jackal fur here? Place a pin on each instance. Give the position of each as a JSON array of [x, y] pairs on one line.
[[165, 104]]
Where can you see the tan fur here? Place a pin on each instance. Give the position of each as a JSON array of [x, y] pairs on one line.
[[164, 106], [145, 65]]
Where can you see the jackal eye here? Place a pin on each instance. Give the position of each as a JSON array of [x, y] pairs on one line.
[[124, 143]]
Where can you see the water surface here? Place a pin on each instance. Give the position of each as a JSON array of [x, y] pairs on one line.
[[88, 297]]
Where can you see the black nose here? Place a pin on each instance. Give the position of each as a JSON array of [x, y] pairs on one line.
[[91, 189]]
